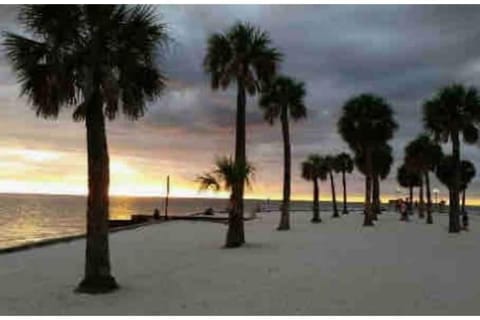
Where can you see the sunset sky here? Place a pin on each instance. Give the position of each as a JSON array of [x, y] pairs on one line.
[[403, 53]]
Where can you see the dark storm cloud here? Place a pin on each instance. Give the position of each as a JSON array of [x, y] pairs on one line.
[[403, 53]]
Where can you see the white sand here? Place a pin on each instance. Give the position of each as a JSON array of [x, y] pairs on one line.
[[337, 267]]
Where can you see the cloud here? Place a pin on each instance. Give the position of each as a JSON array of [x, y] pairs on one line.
[[403, 53]]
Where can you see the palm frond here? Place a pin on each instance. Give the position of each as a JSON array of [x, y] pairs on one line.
[[208, 181]]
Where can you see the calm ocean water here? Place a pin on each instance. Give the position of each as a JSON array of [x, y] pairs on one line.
[[31, 218]]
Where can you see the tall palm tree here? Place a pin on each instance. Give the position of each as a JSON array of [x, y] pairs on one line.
[[382, 160], [345, 165], [97, 59], [445, 173], [284, 98], [422, 155], [366, 121], [244, 55], [453, 111], [225, 175], [315, 169], [408, 178], [333, 167]]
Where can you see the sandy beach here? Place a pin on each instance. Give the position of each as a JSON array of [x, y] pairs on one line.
[[337, 267]]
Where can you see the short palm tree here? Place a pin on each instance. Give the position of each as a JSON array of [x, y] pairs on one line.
[[366, 121], [423, 155], [445, 173], [315, 169], [332, 166], [468, 173], [382, 160], [225, 176], [242, 55], [410, 179], [345, 165], [453, 111], [284, 99], [98, 59]]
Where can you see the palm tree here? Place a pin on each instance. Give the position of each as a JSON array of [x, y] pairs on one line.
[[345, 165], [314, 169], [284, 98], [423, 155], [366, 121], [408, 178], [468, 173], [224, 177], [382, 160], [453, 111], [332, 166], [96, 59], [243, 54], [445, 173]]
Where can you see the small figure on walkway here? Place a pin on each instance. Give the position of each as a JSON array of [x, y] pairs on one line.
[[403, 210], [156, 214], [464, 221]]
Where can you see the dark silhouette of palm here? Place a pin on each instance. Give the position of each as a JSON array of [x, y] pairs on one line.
[[366, 121], [225, 175], [422, 155], [244, 55], [344, 163], [98, 59], [408, 178], [453, 111], [315, 169], [445, 173], [284, 99], [382, 159], [333, 167], [467, 174]]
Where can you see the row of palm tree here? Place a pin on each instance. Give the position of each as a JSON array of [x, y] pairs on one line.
[[422, 156], [367, 124], [318, 168], [100, 60]]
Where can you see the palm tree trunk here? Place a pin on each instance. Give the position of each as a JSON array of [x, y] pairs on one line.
[[429, 199], [410, 202], [345, 211], [235, 222], [421, 203], [285, 215], [98, 278], [454, 218], [316, 207], [464, 211], [235, 233], [334, 197], [368, 218], [375, 197]]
